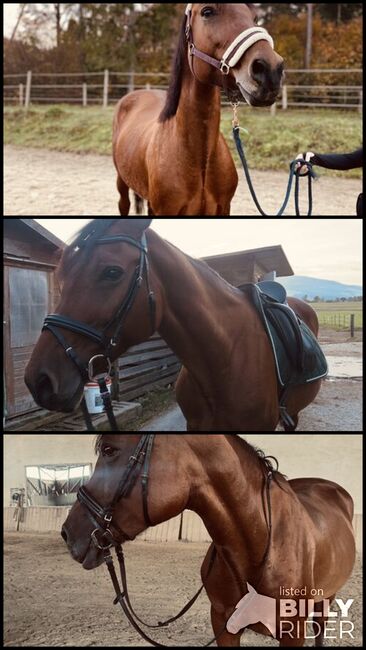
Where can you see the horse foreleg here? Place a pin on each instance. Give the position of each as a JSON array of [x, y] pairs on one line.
[[319, 624], [124, 202], [224, 638], [225, 212]]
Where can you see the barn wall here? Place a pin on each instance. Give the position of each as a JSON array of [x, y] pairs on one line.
[[336, 457], [42, 519]]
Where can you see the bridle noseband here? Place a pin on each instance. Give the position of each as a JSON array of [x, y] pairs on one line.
[[104, 528], [234, 52], [108, 342], [102, 517]]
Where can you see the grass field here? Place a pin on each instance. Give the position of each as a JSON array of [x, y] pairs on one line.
[[272, 142], [338, 315]]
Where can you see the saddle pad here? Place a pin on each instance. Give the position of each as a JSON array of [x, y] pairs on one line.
[[298, 356]]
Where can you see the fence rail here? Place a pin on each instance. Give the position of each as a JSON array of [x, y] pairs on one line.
[[145, 367], [187, 527], [105, 88], [341, 320]]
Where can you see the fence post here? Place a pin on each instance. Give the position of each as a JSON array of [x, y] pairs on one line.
[[274, 110], [131, 82], [352, 326], [28, 89], [21, 94], [85, 95], [360, 105], [284, 98], [105, 88]]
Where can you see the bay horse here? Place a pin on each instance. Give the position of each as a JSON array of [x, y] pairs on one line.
[[228, 381], [298, 537], [167, 147]]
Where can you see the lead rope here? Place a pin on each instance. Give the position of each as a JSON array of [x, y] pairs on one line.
[[293, 173]]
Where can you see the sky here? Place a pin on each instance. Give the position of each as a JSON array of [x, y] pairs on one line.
[[11, 12], [329, 249], [10, 17]]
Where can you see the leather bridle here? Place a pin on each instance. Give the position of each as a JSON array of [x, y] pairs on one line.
[[103, 537], [102, 517], [234, 52], [107, 341]]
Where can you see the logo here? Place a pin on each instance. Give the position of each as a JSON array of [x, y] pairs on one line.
[[293, 619]]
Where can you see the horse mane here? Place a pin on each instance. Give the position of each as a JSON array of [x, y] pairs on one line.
[[175, 87], [267, 463]]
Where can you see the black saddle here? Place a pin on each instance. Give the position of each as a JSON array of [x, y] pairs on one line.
[[273, 290], [298, 356]]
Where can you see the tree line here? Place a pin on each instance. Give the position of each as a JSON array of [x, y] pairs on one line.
[[125, 37]]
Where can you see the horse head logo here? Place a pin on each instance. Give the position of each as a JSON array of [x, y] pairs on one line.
[[252, 609]]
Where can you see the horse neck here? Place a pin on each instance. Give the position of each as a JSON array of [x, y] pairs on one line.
[[229, 498], [198, 117], [198, 311]]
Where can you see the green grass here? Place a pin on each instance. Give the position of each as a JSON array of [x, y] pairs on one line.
[[338, 315], [271, 142]]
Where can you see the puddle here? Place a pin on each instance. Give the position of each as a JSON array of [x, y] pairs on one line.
[[344, 367]]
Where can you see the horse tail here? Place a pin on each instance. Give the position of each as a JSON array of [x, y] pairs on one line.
[[139, 204]]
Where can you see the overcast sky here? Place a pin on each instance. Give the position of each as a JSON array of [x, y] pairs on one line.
[[321, 248], [10, 17]]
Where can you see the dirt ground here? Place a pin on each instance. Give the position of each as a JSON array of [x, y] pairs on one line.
[[47, 183], [52, 601], [338, 406]]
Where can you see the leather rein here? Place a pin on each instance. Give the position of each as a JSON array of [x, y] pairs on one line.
[[108, 342], [102, 519]]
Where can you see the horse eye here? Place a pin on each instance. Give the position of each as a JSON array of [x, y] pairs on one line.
[[113, 273], [108, 451], [207, 12]]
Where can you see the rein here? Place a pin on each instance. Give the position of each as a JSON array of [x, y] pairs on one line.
[[102, 518], [294, 172]]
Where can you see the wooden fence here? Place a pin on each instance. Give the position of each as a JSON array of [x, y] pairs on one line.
[[304, 88], [146, 367], [187, 527]]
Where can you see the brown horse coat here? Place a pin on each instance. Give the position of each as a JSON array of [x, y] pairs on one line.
[[222, 479], [167, 147]]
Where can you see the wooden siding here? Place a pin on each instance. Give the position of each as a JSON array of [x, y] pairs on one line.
[[47, 519], [145, 367]]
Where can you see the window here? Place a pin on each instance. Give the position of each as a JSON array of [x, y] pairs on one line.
[[28, 305], [55, 485]]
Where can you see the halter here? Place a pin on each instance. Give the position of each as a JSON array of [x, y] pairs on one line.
[[103, 338], [234, 52]]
